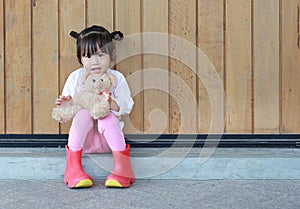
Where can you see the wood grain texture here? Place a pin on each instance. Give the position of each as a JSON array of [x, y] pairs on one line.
[[2, 83], [100, 13], [156, 100], [238, 67], [266, 66], [253, 45], [182, 112], [211, 43], [45, 68], [18, 67], [290, 56]]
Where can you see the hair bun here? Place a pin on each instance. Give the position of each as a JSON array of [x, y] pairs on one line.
[[117, 35], [74, 34]]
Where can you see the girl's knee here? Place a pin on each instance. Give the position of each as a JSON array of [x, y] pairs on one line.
[[83, 117], [83, 113], [109, 121]]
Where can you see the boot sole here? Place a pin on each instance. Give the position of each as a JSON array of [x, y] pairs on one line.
[[114, 184], [84, 183]]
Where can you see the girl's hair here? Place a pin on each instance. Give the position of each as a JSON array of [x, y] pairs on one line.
[[93, 38]]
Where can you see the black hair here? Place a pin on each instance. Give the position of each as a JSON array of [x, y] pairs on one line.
[[93, 38]]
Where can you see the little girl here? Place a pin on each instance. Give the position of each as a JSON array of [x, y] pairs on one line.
[[95, 51]]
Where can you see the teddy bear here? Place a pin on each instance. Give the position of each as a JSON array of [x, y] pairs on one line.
[[94, 96]]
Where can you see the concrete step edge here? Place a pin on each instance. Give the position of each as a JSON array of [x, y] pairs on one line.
[[193, 164]]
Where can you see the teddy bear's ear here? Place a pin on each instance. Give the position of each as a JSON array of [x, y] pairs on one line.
[[113, 80]]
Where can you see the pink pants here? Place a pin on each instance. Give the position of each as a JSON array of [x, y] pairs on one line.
[[92, 137]]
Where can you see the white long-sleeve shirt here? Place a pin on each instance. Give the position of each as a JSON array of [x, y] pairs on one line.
[[120, 93]]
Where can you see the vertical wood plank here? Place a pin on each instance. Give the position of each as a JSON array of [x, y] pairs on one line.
[[238, 66], [45, 64], [18, 66], [155, 99], [266, 66], [71, 17], [290, 56], [100, 13], [2, 100], [128, 21], [211, 43], [182, 23]]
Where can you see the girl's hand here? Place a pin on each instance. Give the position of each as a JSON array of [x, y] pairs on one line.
[[106, 95], [62, 99]]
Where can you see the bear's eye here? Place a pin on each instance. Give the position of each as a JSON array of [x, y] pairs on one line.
[[102, 80], [94, 80]]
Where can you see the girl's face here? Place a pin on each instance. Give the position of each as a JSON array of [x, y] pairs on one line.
[[97, 63]]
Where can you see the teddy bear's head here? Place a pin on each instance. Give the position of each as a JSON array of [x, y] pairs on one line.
[[97, 82]]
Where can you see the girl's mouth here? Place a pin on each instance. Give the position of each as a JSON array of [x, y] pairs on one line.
[[96, 70]]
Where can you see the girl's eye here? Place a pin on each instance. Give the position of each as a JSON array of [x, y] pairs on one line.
[[101, 55]]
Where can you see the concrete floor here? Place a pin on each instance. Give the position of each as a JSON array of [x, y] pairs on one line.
[[153, 194]]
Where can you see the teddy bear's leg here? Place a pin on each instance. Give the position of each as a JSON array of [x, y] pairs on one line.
[[75, 177], [100, 109], [63, 114]]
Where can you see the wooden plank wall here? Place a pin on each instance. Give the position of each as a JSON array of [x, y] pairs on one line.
[[252, 44]]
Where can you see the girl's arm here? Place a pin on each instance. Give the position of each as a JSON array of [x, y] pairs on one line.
[[114, 106], [121, 103], [69, 89]]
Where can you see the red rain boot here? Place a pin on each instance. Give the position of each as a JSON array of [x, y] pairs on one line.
[[122, 175], [75, 177]]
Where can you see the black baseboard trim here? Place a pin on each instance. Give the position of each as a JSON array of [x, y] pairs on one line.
[[215, 140], [33, 140], [164, 140]]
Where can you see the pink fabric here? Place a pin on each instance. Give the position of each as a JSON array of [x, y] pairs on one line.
[[103, 137]]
